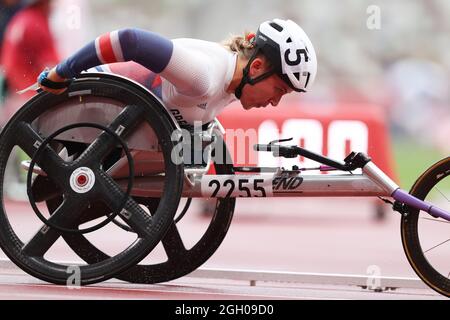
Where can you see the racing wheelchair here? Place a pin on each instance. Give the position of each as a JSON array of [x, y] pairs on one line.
[[107, 154]]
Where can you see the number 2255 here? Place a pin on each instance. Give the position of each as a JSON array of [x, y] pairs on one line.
[[254, 189]]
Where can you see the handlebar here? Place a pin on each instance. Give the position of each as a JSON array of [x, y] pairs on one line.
[[351, 162], [263, 147], [272, 146]]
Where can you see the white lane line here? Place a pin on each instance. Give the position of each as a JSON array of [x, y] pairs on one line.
[[158, 291]]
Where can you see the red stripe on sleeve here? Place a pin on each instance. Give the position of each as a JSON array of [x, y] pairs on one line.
[[106, 49]]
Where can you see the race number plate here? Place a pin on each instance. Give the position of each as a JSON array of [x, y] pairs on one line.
[[236, 186]]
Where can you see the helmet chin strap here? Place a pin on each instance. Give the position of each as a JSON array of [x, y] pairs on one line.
[[246, 78]]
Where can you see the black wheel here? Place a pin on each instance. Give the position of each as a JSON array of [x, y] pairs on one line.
[[180, 260], [121, 107], [426, 239]]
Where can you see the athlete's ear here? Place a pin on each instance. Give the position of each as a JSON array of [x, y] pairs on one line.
[[257, 67]]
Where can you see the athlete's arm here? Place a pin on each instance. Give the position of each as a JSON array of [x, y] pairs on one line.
[[185, 69]]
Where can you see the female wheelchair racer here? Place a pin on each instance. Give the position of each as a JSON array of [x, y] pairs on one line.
[[76, 170]]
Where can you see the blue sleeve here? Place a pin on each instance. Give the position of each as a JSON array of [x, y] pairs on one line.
[[83, 59], [149, 49]]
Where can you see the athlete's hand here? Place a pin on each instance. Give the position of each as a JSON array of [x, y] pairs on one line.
[[53, 76]]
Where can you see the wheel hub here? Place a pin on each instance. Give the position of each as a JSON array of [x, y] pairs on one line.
[[82, 180]]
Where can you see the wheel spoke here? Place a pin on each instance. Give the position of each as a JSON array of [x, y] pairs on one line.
[[65, 216], [434, 220], [123, 125], [132, 214], [448, 200], [49, 161], [440, 244], [172, 242]]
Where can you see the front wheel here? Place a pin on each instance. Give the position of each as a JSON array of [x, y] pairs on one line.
[[426, 239], [119, 109]]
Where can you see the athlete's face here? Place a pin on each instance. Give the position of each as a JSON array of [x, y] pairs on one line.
[[265, 92]]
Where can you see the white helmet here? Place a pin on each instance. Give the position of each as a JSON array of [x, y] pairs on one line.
[[290, 51]]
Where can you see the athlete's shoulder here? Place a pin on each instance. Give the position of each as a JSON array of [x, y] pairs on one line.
[[208, 52], [209, 64], [200, 45]]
